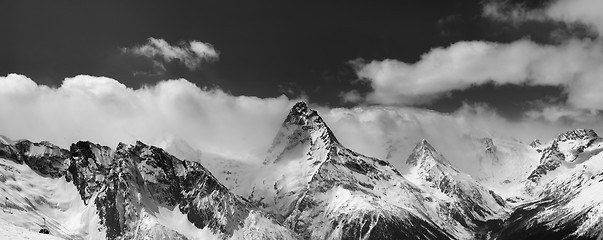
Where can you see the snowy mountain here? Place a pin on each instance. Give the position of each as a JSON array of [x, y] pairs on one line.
[[504, 163], [467, 200], [569, 149], [568, 185], [132, 192], [309, 186], [323, 190], [497, 161]]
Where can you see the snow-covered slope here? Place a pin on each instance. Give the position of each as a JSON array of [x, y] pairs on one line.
[[132, 192], [10, 231], [566, 151], [499, 162], [310, 186], [468, 202], [504, 164], [323, 190], [235, 174], [28, 198], [568, 189]]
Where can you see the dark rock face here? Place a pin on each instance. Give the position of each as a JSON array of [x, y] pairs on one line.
[[488, 144], [88, 168], [119, 177], [108, 212], [379, 225], [199, 186], [308, 119], [577, 134], [302, 115], [523, 223], [8, 151], [550, 160], [45, 158]]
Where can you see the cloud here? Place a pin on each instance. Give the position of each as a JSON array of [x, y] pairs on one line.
[[191, 53], [557, 113], [392, 132], [105, 111], [352, 96], [587, 12], [575, 65], [518, 13]]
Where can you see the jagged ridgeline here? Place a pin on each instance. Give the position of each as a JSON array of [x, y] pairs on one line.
[[310, 186], [130, 185]]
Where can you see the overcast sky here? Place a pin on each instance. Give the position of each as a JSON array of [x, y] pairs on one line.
[[155, 70]]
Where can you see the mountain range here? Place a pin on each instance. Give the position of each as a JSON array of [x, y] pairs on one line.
[[310, 186]]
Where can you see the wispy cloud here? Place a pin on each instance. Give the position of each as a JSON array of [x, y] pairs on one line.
[[515, 13], [191, 53], [575, 65], [586, 12], [558, 113], [352, 96]]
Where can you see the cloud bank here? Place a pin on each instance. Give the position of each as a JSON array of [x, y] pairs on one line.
[[191, 53], [105, 111]]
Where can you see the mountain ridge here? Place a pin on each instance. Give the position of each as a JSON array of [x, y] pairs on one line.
[[309, 186]]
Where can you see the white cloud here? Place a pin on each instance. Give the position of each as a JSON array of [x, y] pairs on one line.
[[376, 131], [588, 12], [103, 110], [191, 54], [575, 65]]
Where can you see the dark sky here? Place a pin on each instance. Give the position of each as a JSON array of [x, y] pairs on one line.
[[266, 47]]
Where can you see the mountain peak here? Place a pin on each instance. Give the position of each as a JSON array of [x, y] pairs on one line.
[[300, 107], [424, 144], [424, 151], [301, 114], [300, 126]]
